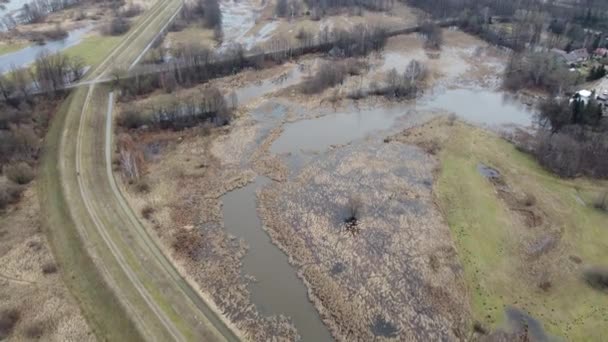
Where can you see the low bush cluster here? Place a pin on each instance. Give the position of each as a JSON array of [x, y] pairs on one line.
[[209, 107], [330, 74]]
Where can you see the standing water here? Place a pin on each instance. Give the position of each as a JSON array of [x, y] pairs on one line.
[[29, 54], [277, 290]]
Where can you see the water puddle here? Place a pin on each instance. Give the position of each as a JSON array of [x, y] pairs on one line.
[[519, 321], [259, 89], [277, 290], [488, 172], [299, 139], [28, 54]]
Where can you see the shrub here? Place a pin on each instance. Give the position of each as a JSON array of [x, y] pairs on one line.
[[601, 202], [8, 320], [147, 211], [142, 186], [49, 268], [116, 26], [330, 74], [131, 11], [56, 33], [20, 173], [34, 331], [597, 278]]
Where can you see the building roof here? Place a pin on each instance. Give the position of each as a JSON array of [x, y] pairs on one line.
[[601, 51], [572, 56], [584, 93]]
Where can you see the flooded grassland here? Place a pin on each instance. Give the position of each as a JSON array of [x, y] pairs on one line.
[[364, 251]]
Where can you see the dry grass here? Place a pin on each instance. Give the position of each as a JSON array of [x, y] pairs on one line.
[[31, 286], [391, 267]]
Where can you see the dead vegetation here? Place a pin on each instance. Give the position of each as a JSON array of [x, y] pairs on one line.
[[182, 206], [371, 284], [35, 302]]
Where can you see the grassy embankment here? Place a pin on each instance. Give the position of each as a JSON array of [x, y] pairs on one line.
[[488, 234], [99, 304], [93, 49]]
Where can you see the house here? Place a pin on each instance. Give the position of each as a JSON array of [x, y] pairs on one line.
[[601, 52], [582, 95], [572, 57]]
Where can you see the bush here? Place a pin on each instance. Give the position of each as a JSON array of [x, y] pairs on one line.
[[601, 202], [116, 26], [8, 320], [20, 173], [147, 211], [56, 33], [49, 268], [9, 194], [597, 278], [330, 74], [131, 11]]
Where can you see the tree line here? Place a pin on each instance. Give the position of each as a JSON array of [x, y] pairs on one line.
[[573, 140], [209, 106], [50, 74], [194, 64]]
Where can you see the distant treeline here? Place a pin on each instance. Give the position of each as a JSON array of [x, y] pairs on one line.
[[567, 21], [209, 106]]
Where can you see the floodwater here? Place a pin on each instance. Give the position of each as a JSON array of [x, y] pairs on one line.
[[11, 7], [278, 290], [238, 18], [479, 106], [28, 54], [259, 89]]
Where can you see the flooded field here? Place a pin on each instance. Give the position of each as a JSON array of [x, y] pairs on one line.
[[293, 172], [28, 54]]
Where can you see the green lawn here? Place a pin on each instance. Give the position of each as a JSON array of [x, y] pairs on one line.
[[93, 48], [490, 247]]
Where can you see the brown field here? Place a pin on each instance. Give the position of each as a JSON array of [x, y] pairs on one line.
[[30, 281]]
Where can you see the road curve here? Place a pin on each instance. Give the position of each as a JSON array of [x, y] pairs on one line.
[[161, 304]]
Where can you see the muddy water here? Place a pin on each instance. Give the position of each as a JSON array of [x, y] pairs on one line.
[[28, 54], [478, 106], [238, 18], [259, 89], [277, 290]]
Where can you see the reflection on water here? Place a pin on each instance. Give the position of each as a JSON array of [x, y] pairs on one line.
[[278, 290], [28, 54], [485, 107], [259, 89]]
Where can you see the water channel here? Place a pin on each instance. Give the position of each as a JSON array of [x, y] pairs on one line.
[[28, 54], [278, 290]]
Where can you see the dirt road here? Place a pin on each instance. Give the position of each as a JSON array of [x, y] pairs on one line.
[[127, 288]]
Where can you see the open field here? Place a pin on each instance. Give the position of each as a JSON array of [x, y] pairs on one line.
[[524, 239]]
